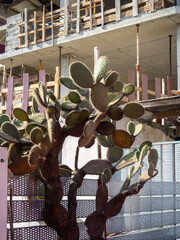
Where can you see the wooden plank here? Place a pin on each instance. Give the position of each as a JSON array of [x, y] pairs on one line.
[[144, 87], [42, 78], [78, 17], [26, 28], [35, 28], [152, 5], [166, 114], [25, 91], [118, 10], [135, 8], [65, 18], [90, 14], [3, 191], [158, 87], [102, 14], [9, 96], [131, 79], [43, 24], [169, 85]]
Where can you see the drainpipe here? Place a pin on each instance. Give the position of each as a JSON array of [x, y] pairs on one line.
[[178, 56]]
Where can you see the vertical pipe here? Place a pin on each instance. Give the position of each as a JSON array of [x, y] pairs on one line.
[[170, 55], [163, 94], [178, 56], [137, 64]]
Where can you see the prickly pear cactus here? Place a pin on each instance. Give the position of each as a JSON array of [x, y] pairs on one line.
[[90, 110]]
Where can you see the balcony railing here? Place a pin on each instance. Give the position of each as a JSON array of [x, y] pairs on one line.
[[79, 16]]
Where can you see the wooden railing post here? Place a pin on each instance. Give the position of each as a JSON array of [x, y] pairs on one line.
[[25, 91], [26, 28], [3, 191], [43, 25], [78, 17], [118, 10], [35, 28], [65, 18], [158, 87], [90, 14], [9, 97], [42, 78], [144, 87], [135, 7], [131, 79], [102, 14]]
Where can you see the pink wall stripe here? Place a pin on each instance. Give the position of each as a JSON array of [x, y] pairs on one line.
[[158, 87], [25, 91], [42, 78], [169, 85], [131, 79], [144, 87], [3, 192], [9, 96]]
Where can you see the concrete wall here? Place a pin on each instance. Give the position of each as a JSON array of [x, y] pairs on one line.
[[12, 32]]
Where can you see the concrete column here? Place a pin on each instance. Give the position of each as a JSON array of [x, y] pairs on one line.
[[178, 56], [66, 60]]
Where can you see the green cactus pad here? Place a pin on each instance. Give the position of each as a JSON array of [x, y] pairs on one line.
[[117, 100], [106, 176], [101, 197], [111, 79], [7, 138], [115, 113], [125, 185], [86, 104], [111, 96], [64, 171], [51, 109], [148, 143], [11, 130], [38, 117], [152, 156], [122, 139], [128, 89], [35, 108], [99, 97], [38, 98], [73, 117], [125, 158], [42, 91], [130, 171], [114, 154], [105, 128], [68, 82], [105, 141], [138, 129], [151, 169], [84, 115], [118, 86], [20, 114], [133, 110], [137, 155], [36, 135], [15, 151], [100, 68], [33, 125], [143, 153], [81, 74], [51, 95], [68, 106], [34, 155], [45, 145], [137, 166], [4, 118], [74, 97], [131, 127], [89, 128]]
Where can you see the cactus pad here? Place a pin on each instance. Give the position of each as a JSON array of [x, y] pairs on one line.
[[81, 74], [20, 114], [68, 106], [106, 176], [91, 143], [100, 68], [128, 89], [122, 139], [115, 113], [138, 129], [11, 130], [118, 86], [99, 97], [148, 143], [116, 101], [114, 154], [42, 91], [33, 125], [101, 197], [105, 128], [34, 155], [4, 118], [36, 135], [68, 82], [105, 141], [151, 169], [89, 128], [73, 117], [83, 141], [74, 97], [131, 127], [84, 115], [152, 156], [37, 117], [111, 78], [64, 171], [133, 110]]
